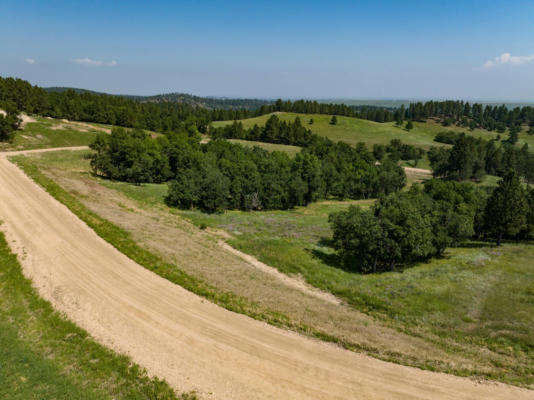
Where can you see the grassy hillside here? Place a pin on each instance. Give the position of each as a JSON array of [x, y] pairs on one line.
[[44, 356], [46, 132], [354, 130]]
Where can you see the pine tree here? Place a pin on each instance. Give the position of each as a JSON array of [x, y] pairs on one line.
[[514, 134], [333, 121], [409, 125], [507, 208]]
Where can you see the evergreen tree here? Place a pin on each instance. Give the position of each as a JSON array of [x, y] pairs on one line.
[[514, 134], [409, 125], [333, 121], [9, 123], [507, 208]]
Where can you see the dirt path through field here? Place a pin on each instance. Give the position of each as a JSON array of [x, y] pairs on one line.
[[289, 281], [178, 336]]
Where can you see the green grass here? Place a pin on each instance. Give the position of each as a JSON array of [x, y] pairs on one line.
[[45, 356], [47, 133], [290, 150], [354, 130]]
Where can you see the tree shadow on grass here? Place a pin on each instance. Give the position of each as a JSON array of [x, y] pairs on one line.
[[330, 257]]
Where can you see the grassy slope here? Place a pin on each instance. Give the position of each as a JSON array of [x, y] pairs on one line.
[[354, 130], [44, 356], [475, 299], [46, 133]]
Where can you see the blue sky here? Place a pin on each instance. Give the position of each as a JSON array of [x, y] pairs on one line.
[[290, 49]]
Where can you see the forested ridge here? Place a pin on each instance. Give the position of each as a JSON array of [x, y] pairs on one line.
[[165, 113], [185, 98]]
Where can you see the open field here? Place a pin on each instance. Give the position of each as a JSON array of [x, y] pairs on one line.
[[424, 316], [354, 130], [44, 356]]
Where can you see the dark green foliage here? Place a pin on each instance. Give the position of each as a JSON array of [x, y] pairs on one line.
[[458, 211], [9, 123], [221, 175], [184, 190], [231, 176], [514, 134], [130, 156], [409, 125], [379, 151], [472, 158], [333, 121], [400, 151], [407, 227], [507, 211], [449, 137], [350, 172], [274, 131]]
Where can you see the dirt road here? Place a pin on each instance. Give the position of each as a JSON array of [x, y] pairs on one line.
[[179, 336]]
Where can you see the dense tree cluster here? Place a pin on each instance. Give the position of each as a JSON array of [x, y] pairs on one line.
[[221, 175], [9, 122], [274, 131], [396, 150], [352, 172], [410, 226], [472, 158], [491, 117]]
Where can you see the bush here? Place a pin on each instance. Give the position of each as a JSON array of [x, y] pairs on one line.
[[448, 137]]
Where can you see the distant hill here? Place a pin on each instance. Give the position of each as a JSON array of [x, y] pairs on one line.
[[61, 89], [183, 98]]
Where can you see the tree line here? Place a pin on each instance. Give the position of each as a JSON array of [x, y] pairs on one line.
[[472, 158], [220, 175], [108, 109], [407, 227], [164, 114]]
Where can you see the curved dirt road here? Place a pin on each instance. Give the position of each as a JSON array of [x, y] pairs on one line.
[[180, 337]]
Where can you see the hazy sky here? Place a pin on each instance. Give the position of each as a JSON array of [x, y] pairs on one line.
[[314, 49]]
